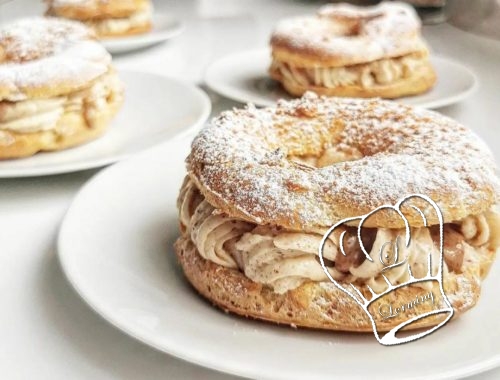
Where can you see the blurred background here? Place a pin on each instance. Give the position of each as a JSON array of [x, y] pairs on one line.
[[477, 16]]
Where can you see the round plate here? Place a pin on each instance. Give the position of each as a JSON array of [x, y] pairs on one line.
[[164, 27], [115, 246], [156, 108], [243, 77]]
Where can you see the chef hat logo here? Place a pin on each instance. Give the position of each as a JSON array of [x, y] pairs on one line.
[[426, 210]]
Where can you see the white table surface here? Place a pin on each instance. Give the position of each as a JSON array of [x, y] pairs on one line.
[[46, 331]]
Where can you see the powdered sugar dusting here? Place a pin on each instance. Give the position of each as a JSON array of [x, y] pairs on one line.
[[354, 34], [243, 156], [48, 52]]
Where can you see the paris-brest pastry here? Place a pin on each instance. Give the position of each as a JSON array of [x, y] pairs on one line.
[[108, 18], [263, 186], [58, 88], [345, 50]]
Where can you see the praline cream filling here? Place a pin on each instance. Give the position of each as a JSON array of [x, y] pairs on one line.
[[37, 115], [381, 72], [284, 259], [122, 25], [31, 115]]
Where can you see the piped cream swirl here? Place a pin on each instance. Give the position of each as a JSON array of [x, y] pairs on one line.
[[121, 25], [285, 259], [37, 115], [380, 72]]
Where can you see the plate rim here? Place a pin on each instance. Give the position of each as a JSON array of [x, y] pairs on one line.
[[226, 90], [183, 353], [123, 44], [205, 104]]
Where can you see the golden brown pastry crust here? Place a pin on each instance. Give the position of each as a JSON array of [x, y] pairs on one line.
[[243, 163], [96, 9], [34, 56], [133, 16], [314, 305], [343, 35]]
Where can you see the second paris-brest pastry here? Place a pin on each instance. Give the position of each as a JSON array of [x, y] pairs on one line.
[[57, 86], [352, 51], [263, 186], [108, 18]]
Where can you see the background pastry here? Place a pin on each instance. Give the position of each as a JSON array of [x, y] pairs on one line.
[[57, 86], [109, 18], [263, 186], [346, 50]]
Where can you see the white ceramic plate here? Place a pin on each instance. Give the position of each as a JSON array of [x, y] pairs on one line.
[[164, 28], [243, 77], [115, 246], [156, 108]]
